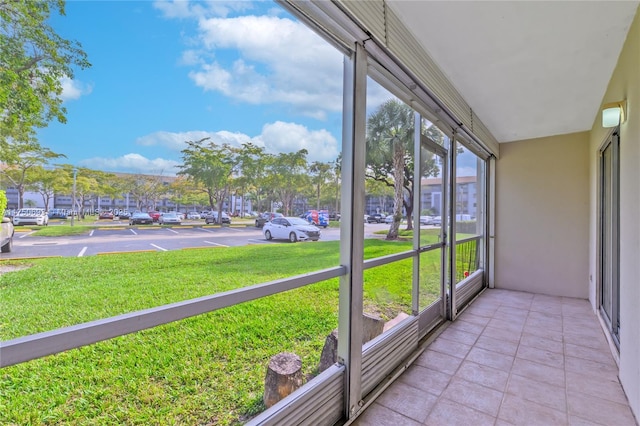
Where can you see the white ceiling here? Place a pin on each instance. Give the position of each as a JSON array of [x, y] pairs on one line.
[[527, 68]]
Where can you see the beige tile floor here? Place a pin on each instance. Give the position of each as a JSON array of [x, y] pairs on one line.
[[511, 358]]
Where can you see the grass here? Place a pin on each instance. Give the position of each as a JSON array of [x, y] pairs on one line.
[[61, 230], [203, 370]]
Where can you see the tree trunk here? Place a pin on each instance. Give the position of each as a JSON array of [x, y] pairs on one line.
[[409, 208], [398, 186], [284, 375]]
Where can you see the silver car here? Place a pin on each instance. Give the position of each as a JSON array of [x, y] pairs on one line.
[[290, 228], [170, 218]]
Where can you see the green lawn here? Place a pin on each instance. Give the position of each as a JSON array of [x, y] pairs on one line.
[[204, 370]]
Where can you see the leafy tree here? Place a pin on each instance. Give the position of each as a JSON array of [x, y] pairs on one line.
[[390, 158], [145, 189], [286, 175], [337, 176], [379, 190], [47, 182], [3, 203], [20, 158], [34, 60], [389, 140], [212, 167], [320, 174], [182, 191], [251, 161]]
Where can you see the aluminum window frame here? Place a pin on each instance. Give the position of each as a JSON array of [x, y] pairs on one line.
[[363, 57]]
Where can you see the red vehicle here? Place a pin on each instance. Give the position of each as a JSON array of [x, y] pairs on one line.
[[155, 216], [106, 215]]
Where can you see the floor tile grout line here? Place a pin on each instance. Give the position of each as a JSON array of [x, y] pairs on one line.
[[495, 307], [440, 397], [506, 386]]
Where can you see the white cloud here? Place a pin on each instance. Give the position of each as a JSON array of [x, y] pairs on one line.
[[290, 137], [278, 137], [134, 163], [182, 9], [173, 141], [259, 60], [275, 138], [74, 89], [190, 58], [280, 60]]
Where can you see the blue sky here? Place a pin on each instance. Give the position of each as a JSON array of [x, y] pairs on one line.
[[166, 72]]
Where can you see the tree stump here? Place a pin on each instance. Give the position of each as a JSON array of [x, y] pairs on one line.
[[284, 375], [372, 327], [329, 354]]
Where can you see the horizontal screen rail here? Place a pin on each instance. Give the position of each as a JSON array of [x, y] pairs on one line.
[[466, 240], [34, 346], [431, 247], [383, 260]]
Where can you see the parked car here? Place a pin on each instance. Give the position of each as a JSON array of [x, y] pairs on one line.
[[105, 215], [124, 215], [140, 218], [290, 228], [193, 216], [212, 217], [435, 221], [424, 220], [6, 235], [155, 215], [170, 218], [266, 217], [388, 219], [57, 214], [375, 218], [31, 217]]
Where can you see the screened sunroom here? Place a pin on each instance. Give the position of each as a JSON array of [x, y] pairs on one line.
[[522, 306]]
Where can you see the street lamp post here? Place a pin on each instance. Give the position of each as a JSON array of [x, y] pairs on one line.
[[73, 205]]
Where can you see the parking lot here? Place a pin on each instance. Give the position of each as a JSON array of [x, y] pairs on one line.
[[110, 239]]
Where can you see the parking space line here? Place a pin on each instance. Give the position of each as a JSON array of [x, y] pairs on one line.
[[171, 230], [206, 230], [258, 241], [134, 232], [91, 233], [83, 251], [28, 233], [159, 248], [235, 229], [215, 244]]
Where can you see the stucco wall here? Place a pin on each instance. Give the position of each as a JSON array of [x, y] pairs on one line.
[[624, 84], [542, 216]]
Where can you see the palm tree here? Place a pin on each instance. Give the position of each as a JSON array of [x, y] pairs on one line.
[[389, 149]]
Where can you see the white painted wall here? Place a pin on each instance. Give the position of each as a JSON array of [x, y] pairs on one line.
[[542, 216], [624, 84]]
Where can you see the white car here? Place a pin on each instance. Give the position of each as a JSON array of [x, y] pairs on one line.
[[170, 218], [193, 216], [31, 217], [6, 235], [290, 228]]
